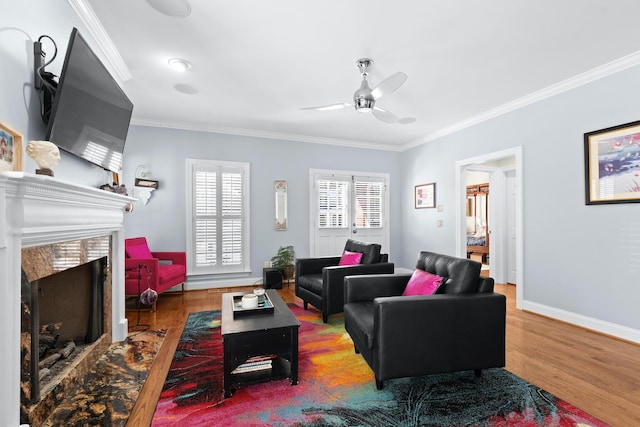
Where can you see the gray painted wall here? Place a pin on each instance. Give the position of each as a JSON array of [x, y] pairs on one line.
[[581, 260], [21, 24], [164, 153]]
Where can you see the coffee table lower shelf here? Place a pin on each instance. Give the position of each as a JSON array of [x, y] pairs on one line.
[[280, 369]]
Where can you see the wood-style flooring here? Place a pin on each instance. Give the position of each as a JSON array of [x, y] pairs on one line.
[[594, 372]]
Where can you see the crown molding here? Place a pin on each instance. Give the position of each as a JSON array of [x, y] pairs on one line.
[[89, 18], [597, 73], [266, 134], [594, 74], [91, 21]]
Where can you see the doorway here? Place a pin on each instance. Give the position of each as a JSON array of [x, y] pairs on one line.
[[347, 205], [504, 169]]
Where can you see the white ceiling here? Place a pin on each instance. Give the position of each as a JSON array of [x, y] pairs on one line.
[[256, 62]]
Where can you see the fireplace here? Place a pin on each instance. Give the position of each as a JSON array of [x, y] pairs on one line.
[[63, 320], [41, 219]]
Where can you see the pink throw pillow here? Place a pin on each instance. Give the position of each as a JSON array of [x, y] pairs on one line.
[[138, 252], [350, 258], [422, 283]]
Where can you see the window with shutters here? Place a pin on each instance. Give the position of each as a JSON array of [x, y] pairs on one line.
[[368, 209], [218, 217], [333, 203]]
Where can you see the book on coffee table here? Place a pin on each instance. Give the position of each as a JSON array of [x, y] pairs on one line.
[[258, 363]]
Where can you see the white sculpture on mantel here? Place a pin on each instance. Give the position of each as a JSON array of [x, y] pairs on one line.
[[46, 155]]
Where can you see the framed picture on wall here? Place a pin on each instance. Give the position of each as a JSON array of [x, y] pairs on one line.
[[612, 165], [425, 196], [10, 149]]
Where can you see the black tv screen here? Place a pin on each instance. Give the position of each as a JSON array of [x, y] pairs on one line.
[[91, 113]]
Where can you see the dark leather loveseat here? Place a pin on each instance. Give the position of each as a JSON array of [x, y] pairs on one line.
[[320, 281], [460, 327]]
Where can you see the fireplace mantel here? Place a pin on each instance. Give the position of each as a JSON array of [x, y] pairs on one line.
[[39, 210]]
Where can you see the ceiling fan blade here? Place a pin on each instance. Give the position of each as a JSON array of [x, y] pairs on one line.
[[389, 85], [328, 107], [384, 115]]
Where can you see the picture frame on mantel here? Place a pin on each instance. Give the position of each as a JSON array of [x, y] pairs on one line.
[[612, 165], [424, 196], [10, 149]]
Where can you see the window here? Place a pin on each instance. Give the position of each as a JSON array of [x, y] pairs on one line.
[[218, 225], [368, 209], [333, 203]]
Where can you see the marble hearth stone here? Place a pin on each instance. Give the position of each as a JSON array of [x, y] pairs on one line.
[[111, 389]]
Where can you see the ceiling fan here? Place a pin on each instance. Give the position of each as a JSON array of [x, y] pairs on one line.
[[364, 99]]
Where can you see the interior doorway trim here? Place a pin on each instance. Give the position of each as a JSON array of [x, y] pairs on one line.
[[461, 194]]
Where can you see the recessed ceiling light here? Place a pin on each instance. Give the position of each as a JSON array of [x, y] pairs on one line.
[[180, 65], [176, 8], [186, 89]]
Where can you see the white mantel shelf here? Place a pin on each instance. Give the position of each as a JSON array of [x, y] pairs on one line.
[[39, 210]]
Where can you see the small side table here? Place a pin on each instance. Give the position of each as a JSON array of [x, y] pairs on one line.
[[272, 278]]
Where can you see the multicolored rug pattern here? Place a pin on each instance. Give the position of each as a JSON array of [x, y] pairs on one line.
[[337, 388]]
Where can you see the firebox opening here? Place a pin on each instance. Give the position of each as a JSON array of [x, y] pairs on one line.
[[67, 316]]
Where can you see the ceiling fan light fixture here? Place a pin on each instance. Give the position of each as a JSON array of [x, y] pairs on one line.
[[364, 105], [179, 65]]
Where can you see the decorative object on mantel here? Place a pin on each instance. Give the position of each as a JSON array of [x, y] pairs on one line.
[[10, 149], [115, 188], [118, 188], [46, 154], [143, 185]]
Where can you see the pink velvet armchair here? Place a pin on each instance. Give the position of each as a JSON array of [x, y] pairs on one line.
[[156, 270]]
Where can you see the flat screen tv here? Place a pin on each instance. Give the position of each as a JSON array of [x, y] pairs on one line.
[[91, 114]]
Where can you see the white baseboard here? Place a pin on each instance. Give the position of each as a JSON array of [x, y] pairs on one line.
[[203, 282], [598, 325]]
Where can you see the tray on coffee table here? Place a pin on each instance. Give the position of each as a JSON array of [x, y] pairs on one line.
[[265, 306]]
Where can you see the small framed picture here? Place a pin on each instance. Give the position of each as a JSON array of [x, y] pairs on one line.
[[612, 165], [10, 149], [425, 196]]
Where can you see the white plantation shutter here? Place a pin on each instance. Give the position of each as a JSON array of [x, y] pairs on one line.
[[333, 203], [219, 206], [232, 218], [368, 212]]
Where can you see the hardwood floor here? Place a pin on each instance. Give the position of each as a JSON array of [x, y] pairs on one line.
[[594, 372]]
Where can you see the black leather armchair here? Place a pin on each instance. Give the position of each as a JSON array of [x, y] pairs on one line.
[[320, 281], [461, 327]]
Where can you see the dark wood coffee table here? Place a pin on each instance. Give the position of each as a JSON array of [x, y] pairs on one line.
[[259, 335]]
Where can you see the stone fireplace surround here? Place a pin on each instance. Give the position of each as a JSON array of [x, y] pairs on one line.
[[38, 210]]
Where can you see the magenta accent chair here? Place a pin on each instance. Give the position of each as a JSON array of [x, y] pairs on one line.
[[156, 270]]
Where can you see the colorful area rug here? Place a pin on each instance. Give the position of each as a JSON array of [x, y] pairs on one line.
[[337, 388]]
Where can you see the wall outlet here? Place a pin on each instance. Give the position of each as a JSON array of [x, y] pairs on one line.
[[439, 223], [440, 208]]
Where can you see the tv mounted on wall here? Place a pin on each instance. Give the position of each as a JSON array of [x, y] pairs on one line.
[[91, 114]]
